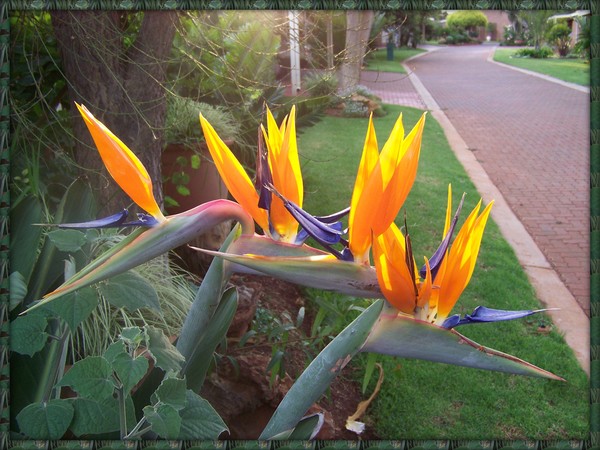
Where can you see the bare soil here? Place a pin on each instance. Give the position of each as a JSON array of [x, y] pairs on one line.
[[244, 396]]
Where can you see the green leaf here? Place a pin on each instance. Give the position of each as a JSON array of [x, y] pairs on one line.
[[205, 302], [171, 392], [164, 353], [67, 240], [18, 289], [199, 420], [129, 370], [408, 338], [28, 334], [130, 291], [75, 307], [164, 419], [195, 161], [317, 377], [197, 366], [306, 429], [132, 335], [90, 378], [182, 190], [25, 236], [45, 420], [113, 350], [94, 416]]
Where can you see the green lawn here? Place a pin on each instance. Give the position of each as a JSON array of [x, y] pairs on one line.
[[377, 60], [422, 400], [567, 69]]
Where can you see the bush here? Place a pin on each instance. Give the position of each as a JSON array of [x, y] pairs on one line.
[[560, 37], [542, 52], [182, 124], [320, 84], [467, 20]]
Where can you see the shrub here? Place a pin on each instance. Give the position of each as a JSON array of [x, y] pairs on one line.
[[320, 84], [467, 20], [560, 37], [542, 52], [182, 124]]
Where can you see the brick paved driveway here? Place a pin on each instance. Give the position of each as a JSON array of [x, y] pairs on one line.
[[532, 138]]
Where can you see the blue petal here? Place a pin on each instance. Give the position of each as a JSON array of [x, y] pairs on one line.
[[483, 314], [116, 220], [144, 220], [264, 178], [436, 259]]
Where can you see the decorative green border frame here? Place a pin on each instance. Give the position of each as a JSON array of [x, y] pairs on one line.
[[594, 439]]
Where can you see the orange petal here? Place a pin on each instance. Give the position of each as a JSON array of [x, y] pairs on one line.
[[461, 260], [400, 183], [122, 164], [392, 274], [359, 219], [287, 176], [234, 176]]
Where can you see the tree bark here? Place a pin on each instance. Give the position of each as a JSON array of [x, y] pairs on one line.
[[121, 83], [358, 29]]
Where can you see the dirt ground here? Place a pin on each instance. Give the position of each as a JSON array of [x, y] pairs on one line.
[[241, 392]]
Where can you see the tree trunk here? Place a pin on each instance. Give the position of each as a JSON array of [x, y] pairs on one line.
[[122, 84], [358, 29]]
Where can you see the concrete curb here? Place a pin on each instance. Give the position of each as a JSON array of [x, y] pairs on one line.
[[540, 75], [570, 320]]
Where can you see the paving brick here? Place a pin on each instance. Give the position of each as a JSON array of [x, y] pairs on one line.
[[530, 135]]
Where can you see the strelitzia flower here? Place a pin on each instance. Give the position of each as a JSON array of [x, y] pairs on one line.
[[382, 185], [278, 165], [163, 233]]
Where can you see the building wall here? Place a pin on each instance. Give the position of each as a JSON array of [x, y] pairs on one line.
[[500, 18]]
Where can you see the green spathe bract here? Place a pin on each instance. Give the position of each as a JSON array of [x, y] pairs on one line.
[[144, 246]]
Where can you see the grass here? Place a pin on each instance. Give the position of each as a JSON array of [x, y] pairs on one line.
[[422, 400], [572, 70], [377, 60]]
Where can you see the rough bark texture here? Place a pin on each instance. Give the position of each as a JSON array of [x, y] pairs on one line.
[[121, 83], [358, 29]]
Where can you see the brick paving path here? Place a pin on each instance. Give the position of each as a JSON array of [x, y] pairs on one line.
[[393, 88], [531, 136]]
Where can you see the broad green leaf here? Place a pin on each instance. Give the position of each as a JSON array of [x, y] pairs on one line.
[[25, 236], [129, 370], [67, 240], [132, 335], [317, 377], [164, 353], [46, 420], [113, 350], [96, 417], [18, 289], [90, 378], [171, 392], [198, 363], [407, 338], [28, 334], [164, 419], [199, 420], [130, 291], [75, 307]]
